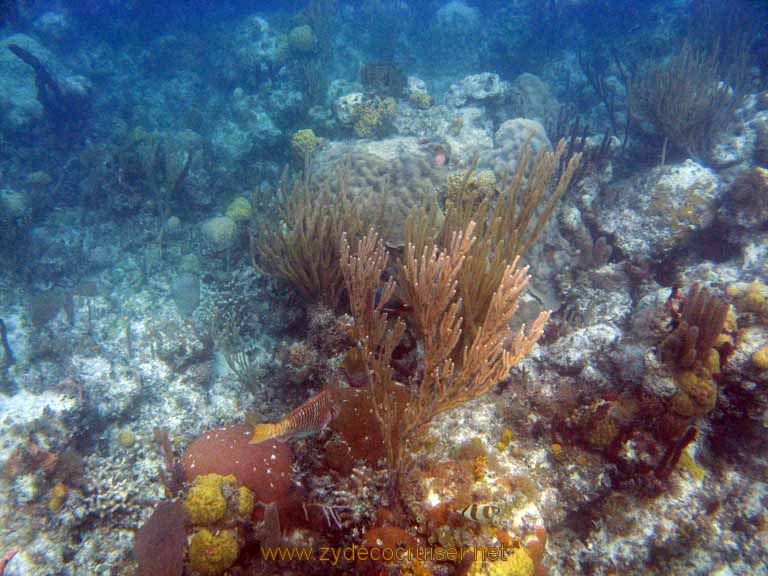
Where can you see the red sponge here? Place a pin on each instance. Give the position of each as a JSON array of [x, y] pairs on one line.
[[265, 468]]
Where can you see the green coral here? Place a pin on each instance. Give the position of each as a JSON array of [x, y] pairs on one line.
[[372, 116], [750, 298], [388, 108], [13, 203], [220, 231], [190, 263], [760, 358], [305, 143], [469, 185], [367, 119], [126, 438], [239, 209], [689, 465], [39, 180], [420, 99], [211, 554], [697, 393]]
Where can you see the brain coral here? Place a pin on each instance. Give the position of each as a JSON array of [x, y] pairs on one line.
[[264, 468], [220, 231], [509, 142], [396, 171]]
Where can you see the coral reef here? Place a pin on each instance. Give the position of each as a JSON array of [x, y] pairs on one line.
[[209, 361]]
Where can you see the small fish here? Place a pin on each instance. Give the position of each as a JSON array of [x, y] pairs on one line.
[[481, 513], [309, 418], [393, 306]]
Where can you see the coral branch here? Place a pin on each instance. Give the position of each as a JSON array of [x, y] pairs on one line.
[[429, 287]]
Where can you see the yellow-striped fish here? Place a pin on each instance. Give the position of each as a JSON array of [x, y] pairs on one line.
[[309, 418], [481, 513]]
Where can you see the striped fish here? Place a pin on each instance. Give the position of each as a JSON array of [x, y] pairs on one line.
[[481, 513], [309, 418]]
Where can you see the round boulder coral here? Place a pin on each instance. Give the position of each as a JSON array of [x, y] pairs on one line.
[[220, 231], [239, 209], [304, 143], [211, 554], [205, 502], [302, 39]]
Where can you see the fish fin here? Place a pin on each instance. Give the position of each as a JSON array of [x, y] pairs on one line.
[[262, 432]]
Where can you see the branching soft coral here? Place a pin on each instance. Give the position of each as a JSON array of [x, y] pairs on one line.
[[301, 242], [429, 287], [507, 225]]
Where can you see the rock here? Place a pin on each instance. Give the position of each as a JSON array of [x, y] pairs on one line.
[[233, 140], [745, 205], [532, 98], [657, 379], [76, 92], [660, 209], [741, 140], [23, 411], [456, 15], [415, 85], [650, 316], [344, 107], [18, 87], [112, 388], [54, 25], [255, 46], [486, 88]]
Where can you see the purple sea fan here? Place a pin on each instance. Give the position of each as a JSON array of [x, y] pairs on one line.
[[159, 544]]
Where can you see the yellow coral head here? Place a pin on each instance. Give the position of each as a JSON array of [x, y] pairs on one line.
[[262, 432]]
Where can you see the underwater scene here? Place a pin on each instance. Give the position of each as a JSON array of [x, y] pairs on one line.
[[383, 287]]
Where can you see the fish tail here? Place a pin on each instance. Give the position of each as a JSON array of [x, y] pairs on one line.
[[262, 432]]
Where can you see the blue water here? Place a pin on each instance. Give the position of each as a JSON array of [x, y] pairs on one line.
[[155, 156]]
